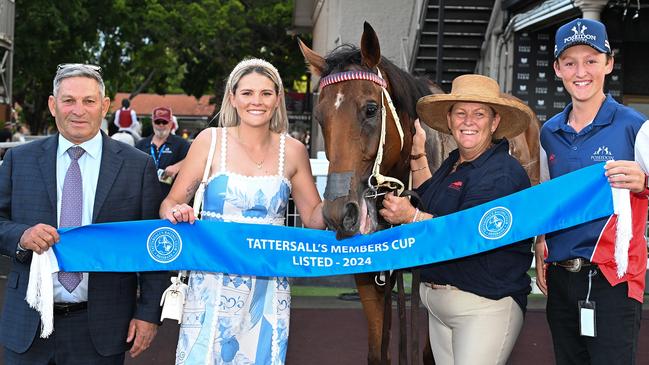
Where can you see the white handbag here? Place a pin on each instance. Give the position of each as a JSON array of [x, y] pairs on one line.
[[173, 298]]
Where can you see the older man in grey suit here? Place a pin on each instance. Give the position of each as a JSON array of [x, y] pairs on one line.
[[76, 177]]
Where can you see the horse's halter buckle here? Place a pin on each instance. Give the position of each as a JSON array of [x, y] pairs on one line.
[[376, 180]]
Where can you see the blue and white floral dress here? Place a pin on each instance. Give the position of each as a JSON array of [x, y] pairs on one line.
[[238, 319]]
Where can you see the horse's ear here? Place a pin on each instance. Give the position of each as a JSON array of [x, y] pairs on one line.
[[315, 61], [370, 48]]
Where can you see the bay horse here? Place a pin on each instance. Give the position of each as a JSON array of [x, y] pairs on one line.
[[350, 115], [349, 110]]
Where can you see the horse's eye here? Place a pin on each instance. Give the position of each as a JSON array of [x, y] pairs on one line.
[[371, 109]]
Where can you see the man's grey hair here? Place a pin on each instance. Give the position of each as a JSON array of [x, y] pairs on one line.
[[78, 70]]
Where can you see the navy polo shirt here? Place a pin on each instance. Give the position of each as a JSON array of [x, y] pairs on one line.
[[495, 274], [611, 136], [172, 151]]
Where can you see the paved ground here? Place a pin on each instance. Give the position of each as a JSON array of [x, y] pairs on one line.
[[326, 330]]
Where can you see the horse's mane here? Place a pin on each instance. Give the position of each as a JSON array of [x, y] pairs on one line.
[[406, 89]]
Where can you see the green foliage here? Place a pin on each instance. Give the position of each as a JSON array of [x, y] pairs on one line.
[[157, 46], [318, 291]]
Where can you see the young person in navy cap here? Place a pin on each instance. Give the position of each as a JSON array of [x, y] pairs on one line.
[[594, 285]]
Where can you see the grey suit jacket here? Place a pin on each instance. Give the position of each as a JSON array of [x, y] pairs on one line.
[[127, 189]]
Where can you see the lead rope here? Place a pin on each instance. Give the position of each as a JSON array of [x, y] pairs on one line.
[[414, 304], [388, 182], [382, 180]]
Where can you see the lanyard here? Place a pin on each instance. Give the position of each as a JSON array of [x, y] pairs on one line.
[[156, 158]]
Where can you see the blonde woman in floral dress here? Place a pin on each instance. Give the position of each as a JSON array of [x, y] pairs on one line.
[[255, 168]]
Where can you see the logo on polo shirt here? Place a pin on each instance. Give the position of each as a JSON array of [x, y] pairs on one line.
[[164, 245], [495, 223], [602, 153], [456, 185]]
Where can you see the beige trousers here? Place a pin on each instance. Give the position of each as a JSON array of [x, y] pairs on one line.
[[467, 329]]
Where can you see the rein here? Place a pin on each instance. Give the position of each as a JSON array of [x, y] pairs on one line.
[[376, 180]]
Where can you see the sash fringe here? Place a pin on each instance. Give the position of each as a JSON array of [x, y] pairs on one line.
[[40, 289], [624, 229]]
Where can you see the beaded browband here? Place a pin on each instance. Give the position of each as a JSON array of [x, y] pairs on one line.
[[352, 75]]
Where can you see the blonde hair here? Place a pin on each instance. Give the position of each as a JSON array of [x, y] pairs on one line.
[[228, 116]]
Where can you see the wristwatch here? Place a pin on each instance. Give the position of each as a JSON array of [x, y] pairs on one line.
[[21, 253]]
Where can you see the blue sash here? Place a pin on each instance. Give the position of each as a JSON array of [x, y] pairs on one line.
[[264, 250]]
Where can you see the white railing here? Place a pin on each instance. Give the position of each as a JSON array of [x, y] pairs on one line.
[[319, 169], [10, 144]]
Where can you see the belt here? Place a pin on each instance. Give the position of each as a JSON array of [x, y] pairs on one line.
[[573, 265], [440, 286], [66, 308]]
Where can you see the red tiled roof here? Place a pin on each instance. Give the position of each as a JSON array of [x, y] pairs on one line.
[[180, 104]]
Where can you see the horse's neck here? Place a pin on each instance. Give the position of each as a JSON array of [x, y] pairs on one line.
[[401, 168], [438, 147]]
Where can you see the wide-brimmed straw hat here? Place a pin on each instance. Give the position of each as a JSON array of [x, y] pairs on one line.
[[515, 116]]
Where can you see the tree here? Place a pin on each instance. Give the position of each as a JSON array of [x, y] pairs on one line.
[[158, 46], [46, 34]]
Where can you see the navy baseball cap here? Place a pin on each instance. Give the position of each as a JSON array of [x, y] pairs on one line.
[[589, 32]]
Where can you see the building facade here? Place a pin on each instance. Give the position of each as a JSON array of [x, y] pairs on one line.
[[519, 50], [511, 41]]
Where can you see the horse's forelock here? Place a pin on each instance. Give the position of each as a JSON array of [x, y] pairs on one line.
[[341, 58]]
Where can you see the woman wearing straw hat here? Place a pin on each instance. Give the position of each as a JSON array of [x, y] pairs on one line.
[[475, 304]]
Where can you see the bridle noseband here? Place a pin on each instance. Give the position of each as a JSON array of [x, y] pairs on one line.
[[376, 180]]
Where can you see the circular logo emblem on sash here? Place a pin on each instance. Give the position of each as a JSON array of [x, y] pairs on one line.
[[495, 223], [164, 245]]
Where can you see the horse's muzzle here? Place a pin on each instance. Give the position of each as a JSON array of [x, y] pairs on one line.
[[348, 217], [341, 216], [346, 210], [351, 215]]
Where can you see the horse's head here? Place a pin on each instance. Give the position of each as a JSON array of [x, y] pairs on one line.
[[349, 110]]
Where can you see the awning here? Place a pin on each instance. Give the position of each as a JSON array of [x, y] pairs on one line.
[[550, 11]]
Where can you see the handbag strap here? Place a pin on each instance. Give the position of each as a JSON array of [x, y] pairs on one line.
[[198, 197]]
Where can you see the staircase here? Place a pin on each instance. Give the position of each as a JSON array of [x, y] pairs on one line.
[[463, 31]]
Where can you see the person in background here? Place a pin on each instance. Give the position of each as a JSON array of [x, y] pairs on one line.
[[126, 120], [174, 128], [5, 136], [255, 161], [21, 131], [584, 262], [168, 150], [6, 133], [76, 177], [104, 125], [476, 304]]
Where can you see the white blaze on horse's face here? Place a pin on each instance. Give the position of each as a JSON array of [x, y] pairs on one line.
[[339, 99]]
